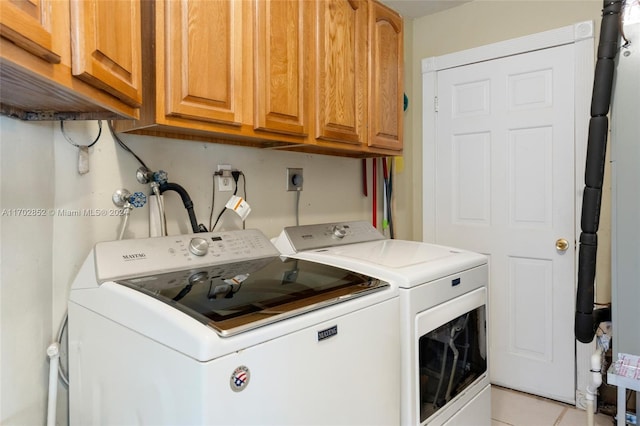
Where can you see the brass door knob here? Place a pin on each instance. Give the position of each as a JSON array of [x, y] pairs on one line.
[[562, 244]]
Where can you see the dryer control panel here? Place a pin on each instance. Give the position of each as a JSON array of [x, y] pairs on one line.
[[294, 239], [140, 257]]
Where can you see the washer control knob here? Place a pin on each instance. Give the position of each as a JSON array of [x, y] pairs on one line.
[[198, 246], [339, 231]]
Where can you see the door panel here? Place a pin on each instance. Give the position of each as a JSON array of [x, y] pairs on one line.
[[106, 47], [530, 289], [341, 70], [471, 172], [386, 82], [28, 24], [281, 89], [505, 187], [529, 178], [203, 60]]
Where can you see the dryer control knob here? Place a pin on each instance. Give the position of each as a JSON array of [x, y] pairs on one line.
[[198, 246], [339, 232]]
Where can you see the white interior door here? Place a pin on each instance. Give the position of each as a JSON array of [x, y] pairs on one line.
[[504, 186]]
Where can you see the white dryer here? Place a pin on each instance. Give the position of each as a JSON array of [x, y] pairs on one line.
[[218, 329], [443, 309]]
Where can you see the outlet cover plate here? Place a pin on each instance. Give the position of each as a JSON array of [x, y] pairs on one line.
[[225, 183], [291, 185]]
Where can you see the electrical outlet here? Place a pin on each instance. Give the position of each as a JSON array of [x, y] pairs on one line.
[[225, 182], [294, 179]]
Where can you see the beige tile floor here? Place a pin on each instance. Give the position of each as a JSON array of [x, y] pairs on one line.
[[513, 408]]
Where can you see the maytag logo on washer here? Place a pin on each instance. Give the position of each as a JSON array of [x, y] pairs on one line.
[[239, 379], [134, 256], [329, 332]]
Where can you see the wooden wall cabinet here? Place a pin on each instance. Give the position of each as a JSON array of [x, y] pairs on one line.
[[282, 74], [71, 59], [29, 25], [386, 90], [105, 45], [341, 70], [225, 71], [282, 41], [359, 75], [201, 55]]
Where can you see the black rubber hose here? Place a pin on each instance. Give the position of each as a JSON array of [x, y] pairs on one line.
[[596, 152], [587, 270], [186, 200], [586, 320], [591, 200], [602, 87]]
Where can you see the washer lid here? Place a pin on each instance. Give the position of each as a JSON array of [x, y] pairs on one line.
[[237, 297]]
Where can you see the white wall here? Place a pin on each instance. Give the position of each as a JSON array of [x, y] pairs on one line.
[[406, 207], [26, 168], [40, 256]]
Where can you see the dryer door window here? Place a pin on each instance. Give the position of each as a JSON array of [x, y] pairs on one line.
[[452, 349]]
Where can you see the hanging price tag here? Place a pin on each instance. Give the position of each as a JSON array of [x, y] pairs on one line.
[[239, 205]]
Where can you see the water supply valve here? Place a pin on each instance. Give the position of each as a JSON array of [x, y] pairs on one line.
[[138, 199], [122, 196], [160, 176]]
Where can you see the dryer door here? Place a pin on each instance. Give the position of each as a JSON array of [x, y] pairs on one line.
[[452, 346]]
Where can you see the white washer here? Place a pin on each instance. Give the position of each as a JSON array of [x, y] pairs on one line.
[[443, 299], [218, 329]]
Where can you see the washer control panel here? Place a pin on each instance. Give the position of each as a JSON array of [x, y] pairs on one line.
[[140, 257], [310, 237]]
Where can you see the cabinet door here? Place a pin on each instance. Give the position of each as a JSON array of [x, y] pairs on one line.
[[28, 24], [281, 87], [106, 46], [203, 59], [341, 70], [386, 96]]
